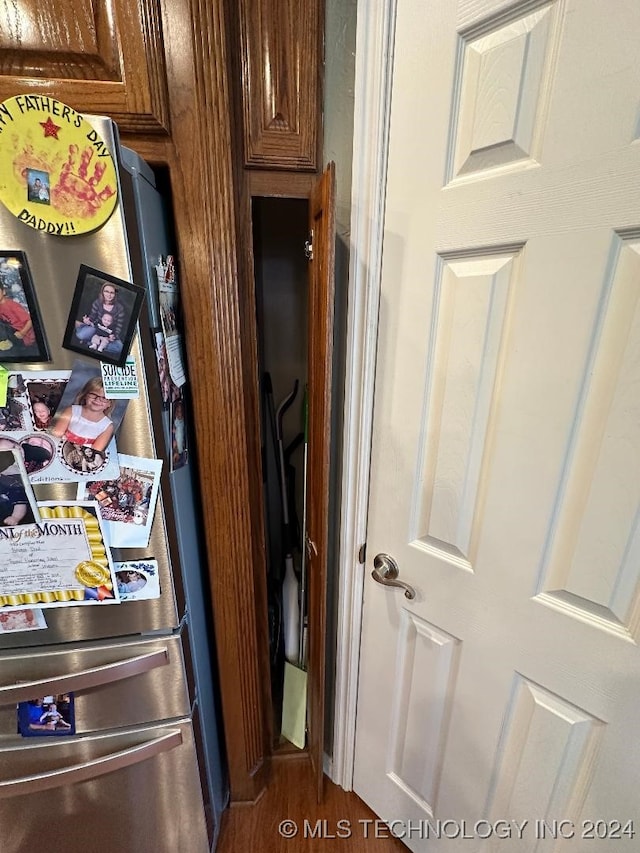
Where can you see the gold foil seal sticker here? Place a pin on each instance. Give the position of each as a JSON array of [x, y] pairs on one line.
[[92, 574]]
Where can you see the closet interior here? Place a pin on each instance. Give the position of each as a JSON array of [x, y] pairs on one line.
[[280, 232]]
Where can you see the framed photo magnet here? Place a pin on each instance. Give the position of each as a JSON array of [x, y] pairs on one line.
[[103, 317], [22, 336]]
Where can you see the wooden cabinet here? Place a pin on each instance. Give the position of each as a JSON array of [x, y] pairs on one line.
[[164, 70], [106, 57], [281, 55]]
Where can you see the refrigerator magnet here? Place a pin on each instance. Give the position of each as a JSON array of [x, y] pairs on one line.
[[17, 501], [30, 423], [22, 337], [170, 318], [179, 448], [121, 383], [31, 619], [103, 317], [162, 362], [43, 394], [60, 177], [126, 505], [47, 716], [138, 580], [62, 561]]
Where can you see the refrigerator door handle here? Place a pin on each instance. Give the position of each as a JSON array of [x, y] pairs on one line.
[[90, 769], [94, 677]]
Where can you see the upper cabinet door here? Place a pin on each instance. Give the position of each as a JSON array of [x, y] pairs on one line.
[[281, 46], [320, 343], [99, 56]]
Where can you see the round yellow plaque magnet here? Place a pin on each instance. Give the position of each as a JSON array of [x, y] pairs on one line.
[[56, 173]]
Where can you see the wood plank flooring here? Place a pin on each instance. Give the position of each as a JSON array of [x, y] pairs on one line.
[[341, 822]]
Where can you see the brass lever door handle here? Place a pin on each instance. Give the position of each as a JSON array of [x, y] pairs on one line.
[[386, 572]]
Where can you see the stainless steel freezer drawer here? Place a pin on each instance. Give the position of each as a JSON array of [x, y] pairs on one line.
[[134, 791], [114, 684]]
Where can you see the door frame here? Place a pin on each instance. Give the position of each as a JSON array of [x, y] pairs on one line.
[[375, 35]]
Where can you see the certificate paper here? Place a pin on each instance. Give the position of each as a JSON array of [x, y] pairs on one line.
[[58, 562]]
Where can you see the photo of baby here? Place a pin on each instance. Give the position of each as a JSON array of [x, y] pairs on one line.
[[137, 580], [130, 581], [44, 398], [38, 186], [48, 715], [103, 333], [29, 619], [17, 501]]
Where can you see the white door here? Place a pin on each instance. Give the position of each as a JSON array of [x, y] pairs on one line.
[[506, 448]]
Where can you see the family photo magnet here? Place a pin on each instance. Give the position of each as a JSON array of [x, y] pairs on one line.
[[58, 175]]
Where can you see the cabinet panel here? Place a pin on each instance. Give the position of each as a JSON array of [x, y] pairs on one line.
[[281, 61], [105, 56]]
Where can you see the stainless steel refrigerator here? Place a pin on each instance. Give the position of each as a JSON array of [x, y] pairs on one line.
[[143, 771]]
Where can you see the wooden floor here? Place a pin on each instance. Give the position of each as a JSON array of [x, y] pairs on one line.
[[289, 806]]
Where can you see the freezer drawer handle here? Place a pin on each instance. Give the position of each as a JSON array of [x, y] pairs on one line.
[[94, 677], [90, 769]]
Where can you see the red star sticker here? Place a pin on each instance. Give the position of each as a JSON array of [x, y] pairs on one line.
[[50, 129]]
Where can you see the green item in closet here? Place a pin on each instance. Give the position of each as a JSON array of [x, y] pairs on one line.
[[294, 705]]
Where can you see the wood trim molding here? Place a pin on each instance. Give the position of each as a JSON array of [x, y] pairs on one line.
[[202, 179], [374, 65], [280, 184]]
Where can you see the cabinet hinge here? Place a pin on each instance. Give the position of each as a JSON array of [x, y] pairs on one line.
[[308, 247], [362, 554]]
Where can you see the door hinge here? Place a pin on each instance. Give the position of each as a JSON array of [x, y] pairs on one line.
[[362, 554], [308, 247]]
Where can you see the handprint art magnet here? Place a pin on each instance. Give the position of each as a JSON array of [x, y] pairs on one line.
[[58, 175]]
